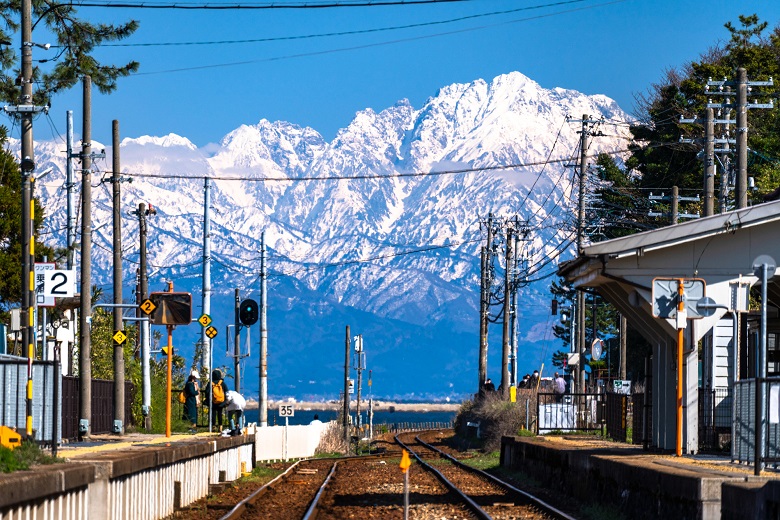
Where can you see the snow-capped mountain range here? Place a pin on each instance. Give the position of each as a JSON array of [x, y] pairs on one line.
[[378, 229]]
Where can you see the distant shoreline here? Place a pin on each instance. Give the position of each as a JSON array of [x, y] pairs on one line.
[[379, 406]]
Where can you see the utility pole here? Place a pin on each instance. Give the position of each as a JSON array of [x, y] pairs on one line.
[[580, 304], [205, 340], [27, 239], [119, 359], [141, 295], [237, 345], [359, 369], [85, 349], [623, 343], [674, 205], [505, 351], [263, 405], [709, 162], [742, 106], [487, 263], [345, 411], [70, 211]]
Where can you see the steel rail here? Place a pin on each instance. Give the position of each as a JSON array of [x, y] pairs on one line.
[[476, 509], [240, 507], [311, 513], [535, 501]]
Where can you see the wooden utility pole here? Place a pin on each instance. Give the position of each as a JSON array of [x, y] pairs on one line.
[[740, 195], [119, 358], [85, 349]]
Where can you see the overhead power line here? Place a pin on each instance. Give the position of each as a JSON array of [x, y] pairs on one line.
[[344, 33], [262, 6], [455, 171]]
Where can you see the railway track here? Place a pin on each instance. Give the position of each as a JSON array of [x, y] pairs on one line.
[[372, 487], [486, 495]]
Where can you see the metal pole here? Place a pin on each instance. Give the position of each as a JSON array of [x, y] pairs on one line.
[[119, 359], [482, 367], [85, 349], [237, 346], [680, 340], [205, 357], [359, 351], [760, 380], [169, 382], [145, 327], [263, 336]]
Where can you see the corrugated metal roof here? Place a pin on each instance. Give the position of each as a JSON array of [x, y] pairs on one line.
[[692, 230]]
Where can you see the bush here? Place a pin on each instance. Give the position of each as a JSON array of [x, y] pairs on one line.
[[496, 417], [23, 457]]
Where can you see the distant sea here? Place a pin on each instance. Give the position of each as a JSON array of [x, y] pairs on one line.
[[380, 417]]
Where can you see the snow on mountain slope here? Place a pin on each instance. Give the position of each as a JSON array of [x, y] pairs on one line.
[[384, 219]]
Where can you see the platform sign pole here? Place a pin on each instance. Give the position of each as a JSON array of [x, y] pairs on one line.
[[680, 344], [168, 383]]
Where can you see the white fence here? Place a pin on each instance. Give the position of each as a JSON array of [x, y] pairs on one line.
[[288, 442]]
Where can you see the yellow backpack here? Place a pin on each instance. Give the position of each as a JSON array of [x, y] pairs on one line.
[[182, 397], [218, 393]]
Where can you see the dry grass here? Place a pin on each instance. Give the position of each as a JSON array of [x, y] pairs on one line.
[[332, 440], [496, 417]]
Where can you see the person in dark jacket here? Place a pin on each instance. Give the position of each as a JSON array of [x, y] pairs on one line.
[[191, 394], [216, 392]]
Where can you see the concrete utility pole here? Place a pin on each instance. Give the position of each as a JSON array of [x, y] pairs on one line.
[[580, 304], [70, 211], [359, 369], [263, 405], [743, 86], [740, 195], [237, 345], [85, 350], [141, 295], [709, 162], [487, 282], [675, 203], [345, 411], [27, 240], [505, 351], [119, 358], [205, 340]]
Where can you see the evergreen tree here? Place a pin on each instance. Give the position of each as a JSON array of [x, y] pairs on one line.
[[76, 39], [11, 229]]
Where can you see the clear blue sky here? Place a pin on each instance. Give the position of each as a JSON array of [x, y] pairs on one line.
[[203, 91]]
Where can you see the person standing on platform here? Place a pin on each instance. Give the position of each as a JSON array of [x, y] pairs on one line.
[[215, 395], [559, 387], [191, 398], [235, 404]]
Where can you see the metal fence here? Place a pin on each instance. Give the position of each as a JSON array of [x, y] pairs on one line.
[[641, 419], [617, 410], [13, 396], [102, 406], [570, 412], [744, 425], [715, 412]]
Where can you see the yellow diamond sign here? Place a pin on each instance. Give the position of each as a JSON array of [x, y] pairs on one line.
[[119, 337], [148, 307], [211, 332], [204, 320]]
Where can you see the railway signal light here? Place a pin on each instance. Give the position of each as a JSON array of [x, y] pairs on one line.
[[248, 312]]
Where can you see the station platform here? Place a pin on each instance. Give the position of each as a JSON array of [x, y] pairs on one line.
[[644, 484]]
